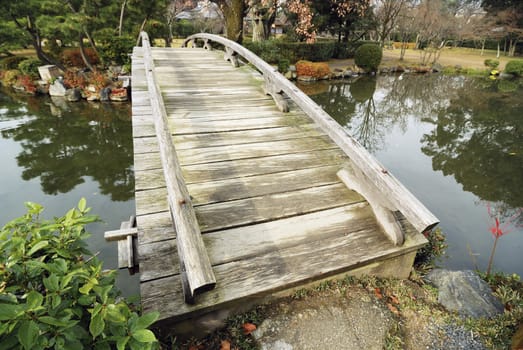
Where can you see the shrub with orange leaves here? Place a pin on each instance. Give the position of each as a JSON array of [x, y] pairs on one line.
[[318, 70]]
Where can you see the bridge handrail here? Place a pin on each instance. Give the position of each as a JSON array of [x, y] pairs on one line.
[[196, 270], [375, 173]]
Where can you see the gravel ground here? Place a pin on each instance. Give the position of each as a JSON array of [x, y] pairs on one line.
[[454, 337]]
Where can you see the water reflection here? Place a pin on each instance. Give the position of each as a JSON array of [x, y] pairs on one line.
[[478, 139], [455, 142], [64, 142], [478, 129]]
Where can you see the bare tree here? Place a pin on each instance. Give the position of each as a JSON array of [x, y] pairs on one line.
[[387, 14]]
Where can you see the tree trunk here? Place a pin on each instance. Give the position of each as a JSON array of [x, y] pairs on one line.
[[37, 42], [122, 11], [141, 29], [257, 29], [233, 10], [482, 46], [82, 53]]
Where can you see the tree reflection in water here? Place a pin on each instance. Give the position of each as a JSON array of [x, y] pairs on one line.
[[67, 141], [478, 130]]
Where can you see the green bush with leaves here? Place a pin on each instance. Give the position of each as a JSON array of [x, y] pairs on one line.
[[11, 62], [368, 57], [54, 293], [491, 63], [116, 49], [515, 67], [30, 67]]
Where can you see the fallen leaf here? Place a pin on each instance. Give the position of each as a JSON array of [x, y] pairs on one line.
[[248, 328], [393, 309], [394, 299], [225, 345], [378, 294]]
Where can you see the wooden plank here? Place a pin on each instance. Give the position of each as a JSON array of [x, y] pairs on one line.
[[193, 126], [155, 227], [260, 239], [193, 141], [253, 150], [251, 186], [274, 271], [120, 234], [245, 167], [198, 274], [212, 217]]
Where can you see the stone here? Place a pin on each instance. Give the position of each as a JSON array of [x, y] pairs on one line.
[[503, 75], [465, 292], [306, 78], [42, 87], [325, 322], [73, 95], [104, 94], [48, 72], [93, 96], [57, 88], [436, 68], [118, 95]]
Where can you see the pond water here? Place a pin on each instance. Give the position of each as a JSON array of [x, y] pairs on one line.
[[54, 153], [455, 142]]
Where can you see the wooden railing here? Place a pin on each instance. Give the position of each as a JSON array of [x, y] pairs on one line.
[[367, 176], [196, 270]]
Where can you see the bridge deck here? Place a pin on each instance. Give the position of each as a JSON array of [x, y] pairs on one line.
[[272, 211]]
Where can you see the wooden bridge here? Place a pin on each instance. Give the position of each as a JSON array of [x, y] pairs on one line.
[[245, 187]]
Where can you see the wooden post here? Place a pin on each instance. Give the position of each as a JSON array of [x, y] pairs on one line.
[[230, 55], [193, 256], [381, 206], [207, 45], [276, 94]]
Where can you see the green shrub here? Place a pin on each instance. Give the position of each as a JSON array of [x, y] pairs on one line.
[[426, 256], [283, 65], [268, 50], [12, 62], [514, 67], [73, 57], [491, 63], [30, 67], [317, 52], [368, 57], [116, 49], [344, 50], [54, 292], [184, 28], [272, 51]]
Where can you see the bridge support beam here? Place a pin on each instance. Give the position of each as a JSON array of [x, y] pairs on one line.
[[271, 88], [232, 56]]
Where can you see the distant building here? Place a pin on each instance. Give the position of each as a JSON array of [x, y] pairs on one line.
[[205, 10]]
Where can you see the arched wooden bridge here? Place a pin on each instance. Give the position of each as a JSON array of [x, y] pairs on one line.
[[245, 187]]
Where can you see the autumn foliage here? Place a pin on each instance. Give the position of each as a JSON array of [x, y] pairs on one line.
[[316, 70]]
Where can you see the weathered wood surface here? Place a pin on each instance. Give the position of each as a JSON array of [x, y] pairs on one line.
[[377, 175], [197, 274], [271, 208]]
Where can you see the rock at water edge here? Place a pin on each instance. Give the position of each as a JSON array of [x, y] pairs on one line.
[[465, 292]]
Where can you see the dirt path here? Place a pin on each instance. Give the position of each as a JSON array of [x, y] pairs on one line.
[[466, 58]]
